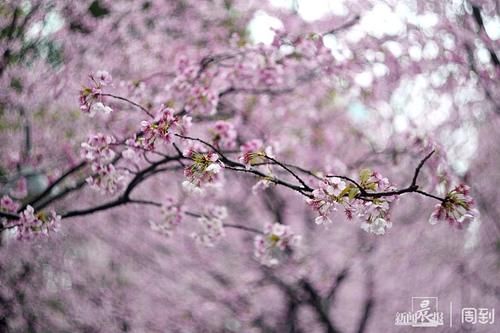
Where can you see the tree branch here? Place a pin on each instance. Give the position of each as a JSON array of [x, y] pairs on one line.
[[336, 284], [317, 304], [49, 189]]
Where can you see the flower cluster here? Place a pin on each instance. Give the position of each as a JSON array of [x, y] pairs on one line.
[[91, 99], [377, 225], [326, 198], [102, 78], [224, 134], [96, 150], [253, 152], [8, 205], [171, 218], [163, 127], [374, 212], [206, 169], [457, 208], [194, 88], [270, 247], [31, 225], [211, 226]]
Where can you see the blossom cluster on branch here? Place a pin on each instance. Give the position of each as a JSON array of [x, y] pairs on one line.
[[242, 109], [91, 99], [97, 151], [457, 208], [30, 224], [334, 192]]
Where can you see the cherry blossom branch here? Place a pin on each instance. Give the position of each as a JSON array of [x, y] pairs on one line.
[[239, 167], [430, 195], [79, 185], [413, 187]]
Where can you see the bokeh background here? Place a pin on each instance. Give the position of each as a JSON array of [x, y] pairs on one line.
[[404, 75]]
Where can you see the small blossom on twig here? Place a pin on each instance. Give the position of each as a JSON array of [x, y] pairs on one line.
[[205, 169], [97, 150], [253, 152], [457, 208], [211, 229], [31, 225], [270, 247], [172, 215], [91, 99]]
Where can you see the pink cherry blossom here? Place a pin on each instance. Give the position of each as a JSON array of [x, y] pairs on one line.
[[270, 247], [31, 224], [457, 208], [211, 226], [224, 134]]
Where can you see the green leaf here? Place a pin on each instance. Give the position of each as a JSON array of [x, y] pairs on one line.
[[364, 175], [343, 193], [353, 192]]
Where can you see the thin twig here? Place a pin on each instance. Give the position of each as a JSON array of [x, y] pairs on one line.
[[130, 102], [304, 185]]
